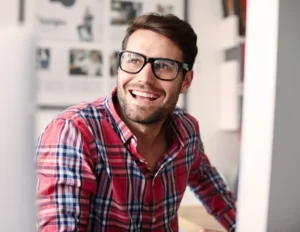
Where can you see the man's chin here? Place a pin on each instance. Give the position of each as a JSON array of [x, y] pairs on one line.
[[144, 119]]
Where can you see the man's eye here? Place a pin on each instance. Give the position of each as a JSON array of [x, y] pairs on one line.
[[134, 61], [163, 66]]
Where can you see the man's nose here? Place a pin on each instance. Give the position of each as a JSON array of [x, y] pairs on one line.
[[146, 74]]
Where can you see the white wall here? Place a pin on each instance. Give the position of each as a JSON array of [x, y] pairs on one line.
[[221, 147], [9, 12], [17, 174]]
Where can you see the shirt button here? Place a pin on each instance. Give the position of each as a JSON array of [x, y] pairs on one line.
[[154, 219]]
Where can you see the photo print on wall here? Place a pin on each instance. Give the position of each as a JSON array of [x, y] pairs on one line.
[[164, 9], [113, 63], [66, 3], [123, 13], [85, 29], [86, 63], [43, 58]]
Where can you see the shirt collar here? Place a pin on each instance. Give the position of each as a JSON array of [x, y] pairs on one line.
[[124, 132]]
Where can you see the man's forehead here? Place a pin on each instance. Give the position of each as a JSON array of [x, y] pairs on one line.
[[153, 44]]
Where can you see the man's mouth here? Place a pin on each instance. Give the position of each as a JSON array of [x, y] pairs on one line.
[[143, 95]]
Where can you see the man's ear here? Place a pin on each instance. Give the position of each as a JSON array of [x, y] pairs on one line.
[[187, 81]]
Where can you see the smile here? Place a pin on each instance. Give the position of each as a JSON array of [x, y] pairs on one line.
[[143, 95]]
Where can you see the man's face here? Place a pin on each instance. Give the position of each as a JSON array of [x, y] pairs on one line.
[[144, 98]]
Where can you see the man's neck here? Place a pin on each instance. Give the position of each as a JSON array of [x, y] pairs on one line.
[[147, 135]]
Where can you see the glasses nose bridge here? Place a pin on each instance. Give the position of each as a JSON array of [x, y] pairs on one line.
[[146, 61], [149, 60]]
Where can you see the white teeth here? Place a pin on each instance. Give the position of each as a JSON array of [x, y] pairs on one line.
[[142, 94]]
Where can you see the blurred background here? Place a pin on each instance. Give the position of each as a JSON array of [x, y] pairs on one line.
[[57, 53]]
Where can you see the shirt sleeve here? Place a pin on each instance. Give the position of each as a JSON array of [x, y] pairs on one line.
[[66, 178], [209, 187]]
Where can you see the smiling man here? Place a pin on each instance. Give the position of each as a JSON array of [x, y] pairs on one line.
[[122, 162]]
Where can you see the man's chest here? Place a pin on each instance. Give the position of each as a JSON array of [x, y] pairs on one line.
[[134, 196], [131, 195]]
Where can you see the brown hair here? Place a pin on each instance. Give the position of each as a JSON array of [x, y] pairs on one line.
[[177, 30]]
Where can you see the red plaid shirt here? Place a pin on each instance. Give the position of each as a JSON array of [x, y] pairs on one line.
[[91, 177]]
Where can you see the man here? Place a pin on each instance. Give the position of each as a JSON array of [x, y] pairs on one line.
[[122, 162]]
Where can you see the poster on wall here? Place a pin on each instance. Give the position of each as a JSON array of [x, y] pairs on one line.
[[71, 20], [85, 63], [122, 12], [69, 73]]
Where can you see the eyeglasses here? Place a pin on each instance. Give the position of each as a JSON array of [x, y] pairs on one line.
[[163, 69]]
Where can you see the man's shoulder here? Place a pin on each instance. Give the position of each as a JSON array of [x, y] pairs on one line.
[[185, 120], [93, 110]]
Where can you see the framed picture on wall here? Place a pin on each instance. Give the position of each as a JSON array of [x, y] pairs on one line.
[[43, 58], [85, 63]]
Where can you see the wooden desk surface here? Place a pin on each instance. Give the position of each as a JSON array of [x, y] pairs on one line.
[[193, 218]]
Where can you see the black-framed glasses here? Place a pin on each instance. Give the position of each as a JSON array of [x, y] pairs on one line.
[[162, 68]]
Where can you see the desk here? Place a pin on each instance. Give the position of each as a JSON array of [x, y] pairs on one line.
[[194, 218]]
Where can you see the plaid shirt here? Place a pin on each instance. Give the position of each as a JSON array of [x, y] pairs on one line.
[[91, 177]]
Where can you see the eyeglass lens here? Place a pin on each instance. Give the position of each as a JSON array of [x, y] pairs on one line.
[[163, 68]]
